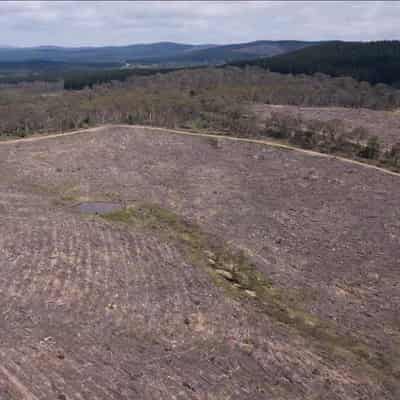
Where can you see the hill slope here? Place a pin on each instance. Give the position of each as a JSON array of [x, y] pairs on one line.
[[93, 54], [233, 52], [373, 62]]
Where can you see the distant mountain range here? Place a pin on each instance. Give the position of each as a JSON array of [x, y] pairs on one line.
[[374, 62], [164, 53], [222, 54]]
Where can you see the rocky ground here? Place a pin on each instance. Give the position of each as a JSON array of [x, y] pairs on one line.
[[231, 271]]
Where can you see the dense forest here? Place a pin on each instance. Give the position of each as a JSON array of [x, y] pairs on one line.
[[71, 76], [374, 62], [80, 79]]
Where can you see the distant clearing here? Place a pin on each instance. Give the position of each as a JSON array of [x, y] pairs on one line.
[[384, 124]]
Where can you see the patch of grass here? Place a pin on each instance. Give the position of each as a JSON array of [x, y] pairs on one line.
[[66, 192], [70, 197], [71, 193], [235, 273], [40, 156]]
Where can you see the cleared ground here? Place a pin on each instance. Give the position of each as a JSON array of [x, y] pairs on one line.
[[236, 271], [384, 124]]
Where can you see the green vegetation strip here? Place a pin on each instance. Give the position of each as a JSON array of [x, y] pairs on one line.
[[239, 278]]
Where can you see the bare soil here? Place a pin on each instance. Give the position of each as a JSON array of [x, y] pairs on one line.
[[234, 271]]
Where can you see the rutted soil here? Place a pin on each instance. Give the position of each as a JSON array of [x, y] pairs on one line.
[[236, 271]]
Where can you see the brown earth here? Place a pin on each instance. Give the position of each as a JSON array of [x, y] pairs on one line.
[[236, 271], [384, 124]]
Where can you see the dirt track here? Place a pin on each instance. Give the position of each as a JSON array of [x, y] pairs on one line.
[[99, 309]]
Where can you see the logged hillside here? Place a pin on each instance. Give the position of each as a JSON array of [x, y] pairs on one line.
[[151, 263], [374, 62], [384, 124], [231, 271]]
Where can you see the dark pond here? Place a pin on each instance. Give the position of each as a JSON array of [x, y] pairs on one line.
[[98, 207]]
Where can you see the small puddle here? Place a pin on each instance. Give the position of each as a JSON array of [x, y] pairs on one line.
[[98, 207]]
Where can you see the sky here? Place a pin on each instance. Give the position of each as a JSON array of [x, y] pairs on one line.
[[96, 23]]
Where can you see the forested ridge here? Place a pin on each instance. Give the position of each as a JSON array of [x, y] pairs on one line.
[[374, 62], [71, 76]]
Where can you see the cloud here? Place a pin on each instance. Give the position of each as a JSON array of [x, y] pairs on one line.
[[75, 23]]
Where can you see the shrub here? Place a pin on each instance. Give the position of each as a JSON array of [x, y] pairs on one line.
[[392, 156], [372, 149]]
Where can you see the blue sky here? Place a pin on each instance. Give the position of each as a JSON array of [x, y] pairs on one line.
[[96, 23]]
